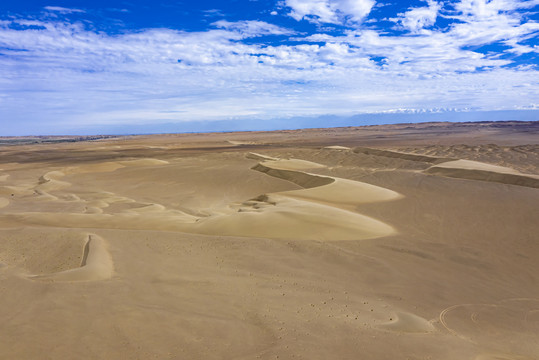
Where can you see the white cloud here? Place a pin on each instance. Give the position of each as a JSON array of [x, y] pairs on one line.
[[63, 73], [63, 10], [356, 10], [488, 9], [417, 19], [330, 11], [252, 28]]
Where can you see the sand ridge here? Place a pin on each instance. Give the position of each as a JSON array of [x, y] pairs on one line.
[[96, 264], [401, 155], [321, 211], [474, 170], [461, 168]]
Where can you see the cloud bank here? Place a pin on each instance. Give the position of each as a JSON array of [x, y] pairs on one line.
[[58, 73]]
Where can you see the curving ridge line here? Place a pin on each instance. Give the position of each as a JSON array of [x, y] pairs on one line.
[[461, 169], [323, 210], [325, 189], [96, 264], [320, 211], [473, 170], [302, 179], [401, 155]]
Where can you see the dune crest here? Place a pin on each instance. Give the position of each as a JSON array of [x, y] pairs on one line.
[[311, 213], [323, 210], [401, 155], [475, 170], [281, 217], [144, 162], [256, 156], [336, 147], [324, 189], [214, 253], [96, 264], [460, 168]]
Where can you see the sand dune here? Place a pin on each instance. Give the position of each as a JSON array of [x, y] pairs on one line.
[[94, 168], [474, 170], [256, 156], [144, 162], [401, 155], [323, 188], [298, 214], [233, 142], [280, 217], [461, 168], [304, 214], [336, 147], [323, 244], [96, 264], [49, 182]]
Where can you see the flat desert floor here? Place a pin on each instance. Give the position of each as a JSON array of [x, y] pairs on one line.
[[382, 242]]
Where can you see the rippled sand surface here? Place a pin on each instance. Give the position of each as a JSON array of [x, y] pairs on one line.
[[380, 242]]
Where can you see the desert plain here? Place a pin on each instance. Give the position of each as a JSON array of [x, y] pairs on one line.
[[411, 241]]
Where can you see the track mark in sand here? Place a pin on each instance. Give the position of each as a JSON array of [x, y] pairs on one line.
[[96, 264], [508, 328], [443, 315], [502, 357]]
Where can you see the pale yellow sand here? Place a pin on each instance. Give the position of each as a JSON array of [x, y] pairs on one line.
[[96, 264], [475, 170], [393, 242], [336, 147], [297, 214], [409, 323]]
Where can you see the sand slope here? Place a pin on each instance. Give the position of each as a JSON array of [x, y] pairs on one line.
[[318, 212], [474, 170], [357, 243], [96, 264], [461, 168]]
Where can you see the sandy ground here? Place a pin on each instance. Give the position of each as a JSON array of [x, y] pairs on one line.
[[384, 242]]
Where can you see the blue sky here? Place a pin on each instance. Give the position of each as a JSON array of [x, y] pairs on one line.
[[81, 67]]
